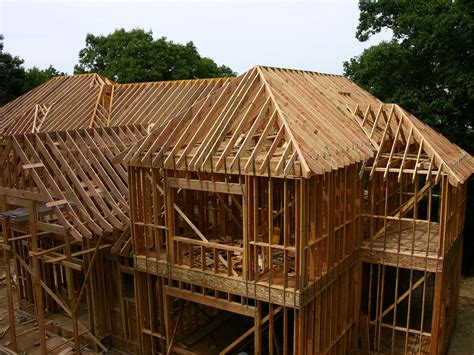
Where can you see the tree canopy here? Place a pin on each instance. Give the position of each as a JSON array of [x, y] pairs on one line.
[[135, 56], [427, 67], [15, 79], [12, 75], [123, 56], [35, 76]]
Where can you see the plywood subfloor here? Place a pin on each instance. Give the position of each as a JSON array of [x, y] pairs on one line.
[[408, 238]]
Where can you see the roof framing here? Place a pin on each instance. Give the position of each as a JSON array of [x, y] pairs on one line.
[[405, 144], [267, 121], [90, 100], [72, 173]]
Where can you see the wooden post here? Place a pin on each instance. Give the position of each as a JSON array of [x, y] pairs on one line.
[[33, 211], [439, 310], [6, 257], [72, 297], [258, 328]]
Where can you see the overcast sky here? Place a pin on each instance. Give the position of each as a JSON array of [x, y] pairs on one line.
[[310, 35]]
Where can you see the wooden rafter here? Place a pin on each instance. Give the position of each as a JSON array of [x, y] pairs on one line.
[[398, 133], [75, 173], [89, 100], [233, 129]]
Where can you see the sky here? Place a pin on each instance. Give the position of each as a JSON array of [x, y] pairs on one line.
[[308, 35]]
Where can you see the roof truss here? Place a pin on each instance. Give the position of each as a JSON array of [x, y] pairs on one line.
[[74, 175], [405, 145]]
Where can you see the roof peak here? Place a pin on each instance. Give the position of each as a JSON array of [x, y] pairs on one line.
[[284, 69], [272, 121]]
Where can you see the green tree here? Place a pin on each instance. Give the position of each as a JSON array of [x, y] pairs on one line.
[[35, 76], [427, 67], [135, 56], [12, 75], [15, 80]]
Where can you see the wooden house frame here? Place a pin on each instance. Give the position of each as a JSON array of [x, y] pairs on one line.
[[64, 207], [80, 234], [264, 143], [293, 206], [414, 218]]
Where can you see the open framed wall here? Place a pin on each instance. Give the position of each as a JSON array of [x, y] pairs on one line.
[[281, 252], [65, 226], [414, 208]]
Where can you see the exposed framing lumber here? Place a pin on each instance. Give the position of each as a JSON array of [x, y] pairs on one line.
[[260, 196]]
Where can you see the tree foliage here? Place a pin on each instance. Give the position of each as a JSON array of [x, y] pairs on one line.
[[16, 80], [427, 67], [135, 56], [35, 76], [12, 75]]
